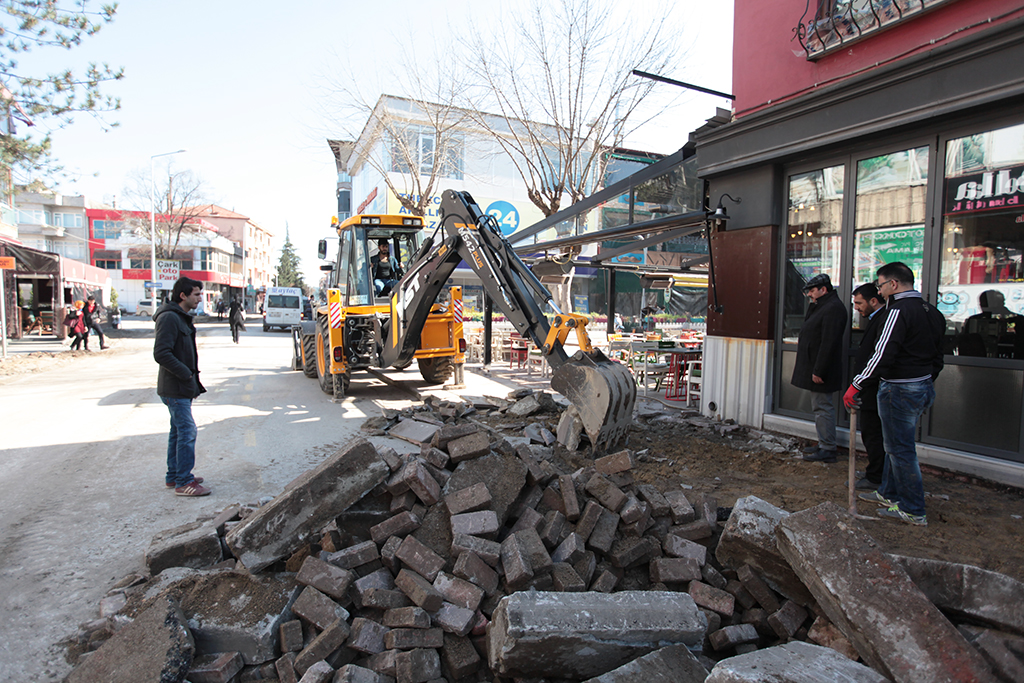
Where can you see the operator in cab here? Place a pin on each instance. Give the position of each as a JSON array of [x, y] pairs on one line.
[[384, 270]]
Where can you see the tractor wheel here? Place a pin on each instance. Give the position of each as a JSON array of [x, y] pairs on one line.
[[403, 366], [323, 358], [309, 355], [296, 351], [436, 370]]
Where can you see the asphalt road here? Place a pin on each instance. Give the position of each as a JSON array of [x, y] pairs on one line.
[[83, 456]]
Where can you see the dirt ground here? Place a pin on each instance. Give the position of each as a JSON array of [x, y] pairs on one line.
[[969, 521]]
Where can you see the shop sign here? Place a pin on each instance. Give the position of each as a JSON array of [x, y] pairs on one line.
[[875, 248], [996, 189], [168, 271], [7, 263]]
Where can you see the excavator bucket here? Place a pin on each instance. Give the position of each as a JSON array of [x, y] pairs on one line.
[[603, 392]]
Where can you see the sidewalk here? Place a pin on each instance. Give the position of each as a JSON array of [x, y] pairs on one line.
[[48, 343]]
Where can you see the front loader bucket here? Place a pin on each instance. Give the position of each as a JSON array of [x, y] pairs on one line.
[[603, 392]]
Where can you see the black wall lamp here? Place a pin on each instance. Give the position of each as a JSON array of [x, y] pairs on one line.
[[718, 217]]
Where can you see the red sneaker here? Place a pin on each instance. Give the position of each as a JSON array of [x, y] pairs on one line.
[[171, 484], [192, 489]]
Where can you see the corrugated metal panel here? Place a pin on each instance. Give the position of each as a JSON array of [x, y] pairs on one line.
[[737, 379]]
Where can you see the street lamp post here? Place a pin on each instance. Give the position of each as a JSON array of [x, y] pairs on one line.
[[152, 228]]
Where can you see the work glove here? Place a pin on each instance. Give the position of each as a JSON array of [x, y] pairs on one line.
[[851, 398]]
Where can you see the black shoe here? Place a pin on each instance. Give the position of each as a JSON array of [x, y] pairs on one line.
[[811, 450], [822, 456], [864, 484]]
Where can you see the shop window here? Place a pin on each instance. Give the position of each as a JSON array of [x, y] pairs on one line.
[[108, 264], [890, 208], [813, 239], [981, 285]]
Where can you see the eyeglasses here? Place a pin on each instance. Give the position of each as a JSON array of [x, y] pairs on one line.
[[878, 285]]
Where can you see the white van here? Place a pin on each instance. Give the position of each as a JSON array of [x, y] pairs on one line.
[[282, 307]]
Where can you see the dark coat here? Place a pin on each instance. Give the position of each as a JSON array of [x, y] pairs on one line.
[[88, 314], [819, 350], [175, 350], [867, 343], [236, 316]]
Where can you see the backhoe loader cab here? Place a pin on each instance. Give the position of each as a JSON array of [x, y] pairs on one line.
[[351, 329]]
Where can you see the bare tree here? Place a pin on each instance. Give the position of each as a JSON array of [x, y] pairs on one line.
[[180, 199], [558, 75], [413, 141]]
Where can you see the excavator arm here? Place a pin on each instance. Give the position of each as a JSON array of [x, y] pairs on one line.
[[602, 391]]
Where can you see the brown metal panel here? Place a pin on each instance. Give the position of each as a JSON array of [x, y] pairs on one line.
[[746, 263]]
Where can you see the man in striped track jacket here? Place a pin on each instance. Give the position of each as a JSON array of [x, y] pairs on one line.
[[906, 361]]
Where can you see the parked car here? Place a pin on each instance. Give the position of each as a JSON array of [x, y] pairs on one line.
[[145, 308]]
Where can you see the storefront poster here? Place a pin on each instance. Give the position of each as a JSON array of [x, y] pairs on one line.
[[875, 248]]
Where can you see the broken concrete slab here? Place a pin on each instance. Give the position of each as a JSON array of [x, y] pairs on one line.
[[306, 505], [672, 664], [570, 429], [749, 538], [1004, 651], [237, 612], [194, 545], [795, 662], [156, 646], [414, 431], [582, 635], [967, 591], [872, 600]]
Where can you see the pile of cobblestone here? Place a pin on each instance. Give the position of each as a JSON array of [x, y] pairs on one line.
[[477, 559]]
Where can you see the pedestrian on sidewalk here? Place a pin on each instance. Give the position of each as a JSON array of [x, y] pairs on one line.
[[236, 319], [91, 323], [178, 383], [906, 361], [819, 361], [75, 322], [871, 307]]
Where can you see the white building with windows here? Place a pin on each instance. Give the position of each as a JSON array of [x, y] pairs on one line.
[[399, 150], [53, 222], [258, 268]]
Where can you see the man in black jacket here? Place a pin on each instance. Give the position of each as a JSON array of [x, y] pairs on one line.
[[819, 361], [871, 307], [178, 383], [906, 361], [91, 309]]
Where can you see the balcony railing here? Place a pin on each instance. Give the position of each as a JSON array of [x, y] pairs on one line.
[[837, 23]]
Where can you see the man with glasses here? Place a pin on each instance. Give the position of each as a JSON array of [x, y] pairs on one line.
[[906, 361], [819, 361]]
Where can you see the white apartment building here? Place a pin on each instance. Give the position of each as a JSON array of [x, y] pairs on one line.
[[257, 267]]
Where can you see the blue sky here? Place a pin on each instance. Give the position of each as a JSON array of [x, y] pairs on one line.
[[238, 84]]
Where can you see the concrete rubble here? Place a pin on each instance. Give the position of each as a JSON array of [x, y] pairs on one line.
[[478, 559]]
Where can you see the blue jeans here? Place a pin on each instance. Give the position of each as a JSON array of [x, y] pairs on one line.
[[824, 419], [381, 285], [181, 443], [899, 407]]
